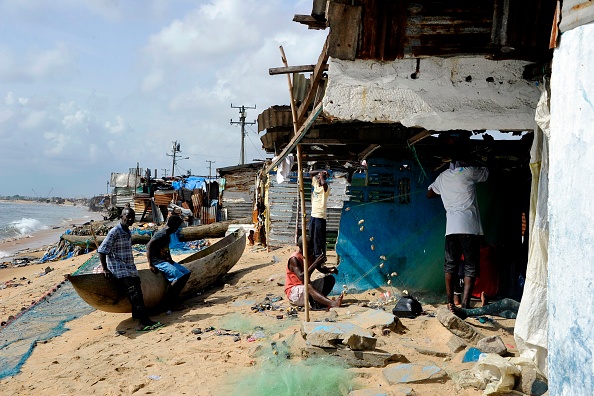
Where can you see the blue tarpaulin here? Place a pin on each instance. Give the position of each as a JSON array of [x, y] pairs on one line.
[[189, 183]]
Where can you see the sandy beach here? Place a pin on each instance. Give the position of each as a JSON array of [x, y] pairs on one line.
[[102, 354]]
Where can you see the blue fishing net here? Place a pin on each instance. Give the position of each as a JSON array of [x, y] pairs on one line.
[[44, 320]]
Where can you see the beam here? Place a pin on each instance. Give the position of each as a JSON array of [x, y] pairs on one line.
[[315, 80], [297, 138], [310, 21], [293, 69], [419, 136]]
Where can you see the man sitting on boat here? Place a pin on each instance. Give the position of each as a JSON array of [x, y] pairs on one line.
[[159, 258], [117, 261], [318, 289]]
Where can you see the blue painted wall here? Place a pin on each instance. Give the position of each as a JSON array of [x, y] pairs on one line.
[[411, 235], [407, 238]]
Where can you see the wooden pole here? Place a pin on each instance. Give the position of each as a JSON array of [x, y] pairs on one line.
[[301, 193]]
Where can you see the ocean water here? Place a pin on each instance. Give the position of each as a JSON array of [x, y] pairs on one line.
[[22, 220]]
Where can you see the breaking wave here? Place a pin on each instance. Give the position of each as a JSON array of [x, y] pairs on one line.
[[21, 228]]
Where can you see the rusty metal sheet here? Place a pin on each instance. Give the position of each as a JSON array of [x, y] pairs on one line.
[[274, 117], [499, 29], [576, 13], [344, 20]]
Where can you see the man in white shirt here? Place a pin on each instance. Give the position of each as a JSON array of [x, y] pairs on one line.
[[317, 223], [457, 188]]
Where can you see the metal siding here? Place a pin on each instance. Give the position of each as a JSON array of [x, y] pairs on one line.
[[576, 13], [282, 205]]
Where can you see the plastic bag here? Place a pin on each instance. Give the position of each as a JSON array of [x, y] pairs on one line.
[[407, 307]]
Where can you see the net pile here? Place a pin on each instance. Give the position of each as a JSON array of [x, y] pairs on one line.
[[42, 321]]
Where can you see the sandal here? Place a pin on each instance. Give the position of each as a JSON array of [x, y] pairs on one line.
[[148, 328]]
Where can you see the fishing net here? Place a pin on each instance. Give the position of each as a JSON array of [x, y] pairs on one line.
[[42, 321], [280, 375], [256, 326]]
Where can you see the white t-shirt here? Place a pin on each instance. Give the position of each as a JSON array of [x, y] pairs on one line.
[[319, 197], [458, 193]]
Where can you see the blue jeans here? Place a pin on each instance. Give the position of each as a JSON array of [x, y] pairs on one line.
[[173, 272]]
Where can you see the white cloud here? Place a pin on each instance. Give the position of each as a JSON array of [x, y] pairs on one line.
[[152, 81], [34, 120], [55, 63], [80, 118], [120, 125]]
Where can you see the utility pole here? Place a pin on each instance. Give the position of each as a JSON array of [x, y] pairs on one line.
[[174, 150], [242, 122], [164, 170], [210, 167]]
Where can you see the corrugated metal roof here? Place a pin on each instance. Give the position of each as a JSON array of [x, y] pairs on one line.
[[274, 117], [576, 13]]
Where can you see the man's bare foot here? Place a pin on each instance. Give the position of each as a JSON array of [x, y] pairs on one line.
[[336, 303], [483, 299], [459, 312]]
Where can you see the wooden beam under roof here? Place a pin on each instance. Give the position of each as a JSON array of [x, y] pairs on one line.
[[293, 69], [310, 21], [315, 81]]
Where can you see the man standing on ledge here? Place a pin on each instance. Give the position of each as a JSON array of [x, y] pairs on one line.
[[115, 254], [457, 187], [317, 223]]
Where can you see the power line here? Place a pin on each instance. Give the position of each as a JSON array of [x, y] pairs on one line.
[[242, 122]]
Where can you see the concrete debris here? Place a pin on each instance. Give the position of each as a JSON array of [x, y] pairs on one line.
[[329, 335], [458, 326], [357, 358], [456, 344], [376, 318], [492, 344], [411, 373]]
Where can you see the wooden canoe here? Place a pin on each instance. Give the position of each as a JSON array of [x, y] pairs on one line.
[[207, 266], [186, 234]]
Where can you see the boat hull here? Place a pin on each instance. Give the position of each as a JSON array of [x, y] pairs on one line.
[[207, 266]]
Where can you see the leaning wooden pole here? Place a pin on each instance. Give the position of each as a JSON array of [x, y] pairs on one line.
[[301, 194]]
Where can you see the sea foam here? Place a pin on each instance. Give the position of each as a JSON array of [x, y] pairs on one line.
[[26, 226]]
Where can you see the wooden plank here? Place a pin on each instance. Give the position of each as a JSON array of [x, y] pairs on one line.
[[315, 80], [345, 23], [297, 138], [293, 69], [310, 21]]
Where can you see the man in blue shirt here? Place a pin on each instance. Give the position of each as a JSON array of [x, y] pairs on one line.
[[115, 254]]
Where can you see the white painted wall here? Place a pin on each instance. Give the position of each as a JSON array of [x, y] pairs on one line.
[[440, 99], [571, 216]]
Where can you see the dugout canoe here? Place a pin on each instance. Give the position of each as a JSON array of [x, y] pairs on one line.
[[207, 266], [186, 234]]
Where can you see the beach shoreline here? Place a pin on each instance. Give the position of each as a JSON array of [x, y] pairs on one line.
[[38, 241]]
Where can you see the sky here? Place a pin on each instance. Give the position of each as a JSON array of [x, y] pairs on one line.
[[92, 87]]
